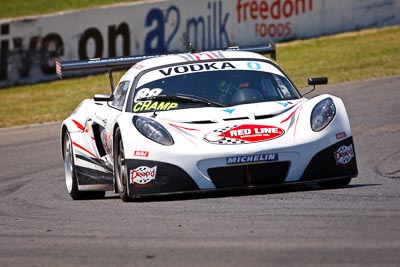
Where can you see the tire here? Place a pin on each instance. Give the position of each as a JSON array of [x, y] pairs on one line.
[[334, 183], [120, 170], [71, 180]]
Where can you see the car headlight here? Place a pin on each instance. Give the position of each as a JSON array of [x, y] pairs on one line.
[[322, 114], [153, 130]]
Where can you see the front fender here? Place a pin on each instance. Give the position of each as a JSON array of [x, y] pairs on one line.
[[339, 126]]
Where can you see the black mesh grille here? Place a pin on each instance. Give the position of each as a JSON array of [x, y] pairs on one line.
[[246, 175]]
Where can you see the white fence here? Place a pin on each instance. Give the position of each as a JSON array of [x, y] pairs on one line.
[[28, 46]]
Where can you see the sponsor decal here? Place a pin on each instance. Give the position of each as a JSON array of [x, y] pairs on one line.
[[146, 92], [341, 135], [197, 67], [143, 175], [344, 155], [208, 28], [272, 18], [138, 66], [254, 65], [284, 104], [244, 134], [229, 110], [141, 153], [107, 141], [252, 158], [156, 105], [214, 137]]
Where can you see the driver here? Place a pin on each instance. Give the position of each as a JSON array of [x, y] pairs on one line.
[[229, 85]]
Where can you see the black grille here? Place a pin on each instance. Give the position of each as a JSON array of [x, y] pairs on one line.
[[246, 175]]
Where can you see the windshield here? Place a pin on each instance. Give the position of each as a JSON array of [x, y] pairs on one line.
[[211, 84]]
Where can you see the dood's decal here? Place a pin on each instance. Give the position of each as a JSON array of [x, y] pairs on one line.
[[143, 175], [344, 155], [244, 134], [156, 105]]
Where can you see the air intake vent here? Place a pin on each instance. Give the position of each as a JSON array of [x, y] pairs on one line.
[[246, 175]]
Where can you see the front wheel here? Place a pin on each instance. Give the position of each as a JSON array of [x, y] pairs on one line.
[[71, 180], [120, 169]]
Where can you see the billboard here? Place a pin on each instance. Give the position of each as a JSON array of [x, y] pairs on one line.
[[29, 45]]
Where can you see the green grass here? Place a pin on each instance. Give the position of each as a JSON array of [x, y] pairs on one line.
[[17, 8], [342, 57]]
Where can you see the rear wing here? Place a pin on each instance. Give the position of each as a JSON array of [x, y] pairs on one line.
[[126, 62], [110, 64]]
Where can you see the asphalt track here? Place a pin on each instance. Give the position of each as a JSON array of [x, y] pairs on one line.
[[358, 225]]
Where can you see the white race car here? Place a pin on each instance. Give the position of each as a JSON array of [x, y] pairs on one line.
[[194, 122]]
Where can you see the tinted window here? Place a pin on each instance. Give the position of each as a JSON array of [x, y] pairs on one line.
[[237, 85], [120, 95]]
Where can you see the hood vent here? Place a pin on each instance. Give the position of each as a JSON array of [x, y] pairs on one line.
[[261, 117], [237, 118], [258, 117], [202, 122]]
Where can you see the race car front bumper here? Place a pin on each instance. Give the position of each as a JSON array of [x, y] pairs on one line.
[[148, 177], [336, 161], [154, 177]]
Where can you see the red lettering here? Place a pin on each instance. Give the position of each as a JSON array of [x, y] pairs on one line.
[[287, 9], [254, 10], [303, 6], [273, 29], [264, 10], [288, 29], [276, 9]]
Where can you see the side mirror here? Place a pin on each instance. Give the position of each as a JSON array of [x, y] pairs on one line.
[[103, 98], [316, 81]]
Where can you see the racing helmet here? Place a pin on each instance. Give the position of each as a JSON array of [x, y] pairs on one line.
[[246, 95]]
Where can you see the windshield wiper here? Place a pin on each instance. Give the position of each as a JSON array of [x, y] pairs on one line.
[[182, 98]]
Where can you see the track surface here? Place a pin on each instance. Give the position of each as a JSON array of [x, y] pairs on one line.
[[359, 225]]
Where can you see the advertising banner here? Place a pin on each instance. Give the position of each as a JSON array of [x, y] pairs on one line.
[[28, 46]]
